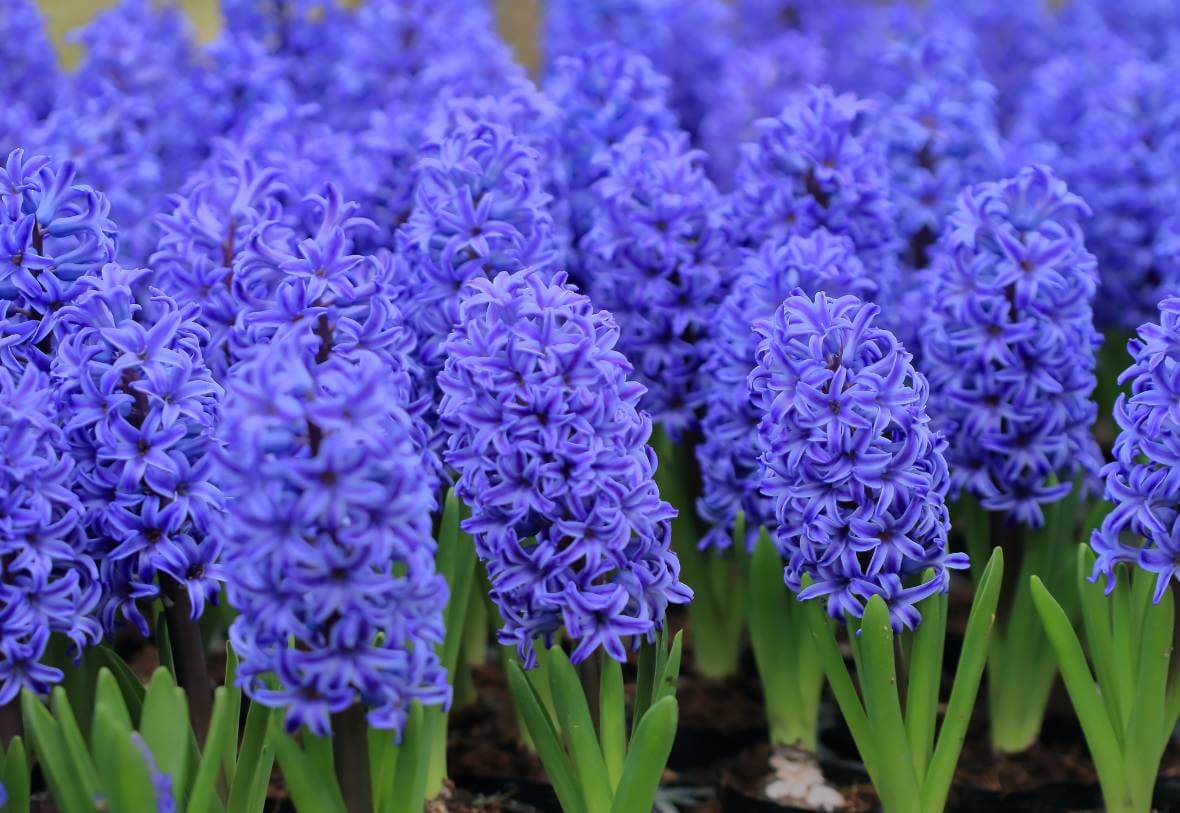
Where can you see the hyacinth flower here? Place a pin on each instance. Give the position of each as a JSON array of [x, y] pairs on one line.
[[54, 233], [657, 29], [602, 93], [551, 450], [31, 77], [479, 208], [1008, 346], [330, 562], [133, 116], [818, 165], [942, 131], [756, 82], [50, 583], [1126, 698], [138, 408], [1125, 166], [732, 501], [657, 257], [859, 480]]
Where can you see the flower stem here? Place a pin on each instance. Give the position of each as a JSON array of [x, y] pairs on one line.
[[350, 752], [188, 652], [11, 724]]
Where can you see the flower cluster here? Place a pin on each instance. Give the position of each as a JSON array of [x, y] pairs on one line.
[[817, 166], [138, 407], [1127, 167], [941, 131], [552, 454], [30, 79], [132, 117], [728, 455], [328, 552], [756, 83], [49, 585], [211, 220], [53, 232], [602, 93], [479, 208], [657, 257], [849, 457], [1144, 528], [658, 29], [1009, 341]]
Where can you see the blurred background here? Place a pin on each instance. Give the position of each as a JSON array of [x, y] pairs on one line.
[[518, 22]]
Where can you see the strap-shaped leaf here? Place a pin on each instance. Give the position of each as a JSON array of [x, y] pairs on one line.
[[577, 729], [409, 780], [1148, 728], [544, 737], [128, 684], [164, 705], [16, 777], [1096, 620], [922, 693], [85, 772], [1079, 683], [53, 757], [308, 791], [612, 717], [646, 758], [878, 682], [250, 762], [965, 689], [203, 789]]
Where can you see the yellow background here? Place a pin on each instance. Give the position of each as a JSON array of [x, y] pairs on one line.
[[518, 19]]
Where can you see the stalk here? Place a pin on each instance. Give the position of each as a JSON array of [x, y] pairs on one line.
[[350, 752], [716, 620], [188, 653]]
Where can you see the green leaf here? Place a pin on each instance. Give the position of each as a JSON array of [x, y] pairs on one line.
[[71, 738], [1096, 620], [878, 683], [128, 684], [645, 679], [233, 695], [16, 777], [646, 759], [130, 783], [308, 793], [1148, 730], [1079, 683], [250, 762], [409, 784], [53, 757], [670, 673], [164, 705], [577, 729], [965, 688], [925, 675], [612, 717], [823, 634], [778, 651], [544, 736], [203, 789], [164, 644]]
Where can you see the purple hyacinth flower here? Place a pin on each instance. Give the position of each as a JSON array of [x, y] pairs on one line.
[[1009, 343], [50, 584], [327, 536], [1143, 529], [728, 455], [552, 455], [658, 258], [138, 405], [856, 472]]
